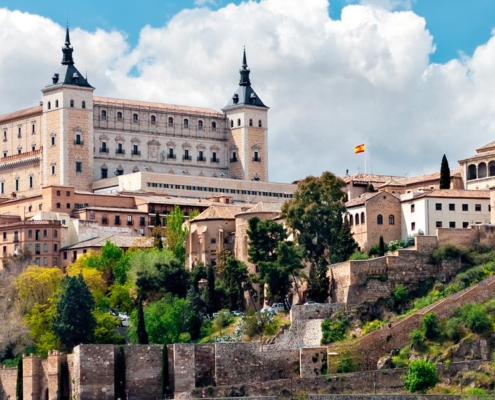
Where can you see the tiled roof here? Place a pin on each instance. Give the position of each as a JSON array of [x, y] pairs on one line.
[[393, 182], [482, 154], [120, 241], [150, 106], [486, 147], [180, 201], [111, 209], [361, 199], [400, 180], [21, 113], [265, 207], [221, 212], [454, 193]]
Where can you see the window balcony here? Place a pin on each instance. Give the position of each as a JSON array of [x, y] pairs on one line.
[[105, 150], [171, 156], [233, 159], [142, 223], [201, 159], [214, 160], [79, 142], [104, 221], [130, 222], [257, 159], [120, 151], [136, 152], [186, 158], [117, 222]]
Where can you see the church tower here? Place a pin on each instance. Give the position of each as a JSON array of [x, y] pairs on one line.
[[67, 126], [248, 121]]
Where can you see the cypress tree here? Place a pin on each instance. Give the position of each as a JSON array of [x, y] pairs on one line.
[[141, 326], [210, 291], [164, 375], [157, 233], [19, 389], [444, 174], [381, 247]]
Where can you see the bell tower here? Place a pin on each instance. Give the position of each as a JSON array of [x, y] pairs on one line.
[[248, 122], [67, 126]]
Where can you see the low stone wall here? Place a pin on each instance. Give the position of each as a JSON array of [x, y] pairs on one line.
[[143, 371], [483, 234], [382, 397], [315, 311], [313, 362]]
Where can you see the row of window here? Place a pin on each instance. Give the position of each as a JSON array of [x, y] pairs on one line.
[[49, 105], [19, 131], [481, 170], [219, 190], [19, 150], [465, 207], [37, 234], [260, 124], [17, 184]]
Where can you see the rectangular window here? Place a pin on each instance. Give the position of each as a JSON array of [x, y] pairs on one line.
[[477, 207], [104, 173], [53, 140], [55, 247], [412, 208], [78, 166], [45, 247], [438, 206], [65, 255], [68, 205], [465, 225], [37, 234], [57, 205], [53, 169], [30, 234], [16, 184], [67, 193], [142, 221], [413, 226], [452, 224], [37, 248], [55, 233], [33, 129], [438, 224], [117, 220], [37, 261], [5, 249], [45, 232], [451, 207], [465, 207], [2, 187], [5, 236]]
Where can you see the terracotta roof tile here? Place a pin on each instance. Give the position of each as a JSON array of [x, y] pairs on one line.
[[21, 114], [454, 193], [222, 212], [120, 241], [486, 147]]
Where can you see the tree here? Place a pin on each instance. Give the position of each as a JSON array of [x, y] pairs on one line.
[[314, 215], [176, 234], [195, 321], [209, 293], [142, 333], [157, 233], [421, 376], [430, 326], [74, 322], [236, 282], [37, 285], [381, 247], [444, 174], [264, 237]]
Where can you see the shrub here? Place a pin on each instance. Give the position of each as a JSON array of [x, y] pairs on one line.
[[371, 326], [223, 320], [417, 338], [453, 329], [475, 317], [430, 327], [345, 363], [334, 330], [359, 255], [400, 295], [421, 376]]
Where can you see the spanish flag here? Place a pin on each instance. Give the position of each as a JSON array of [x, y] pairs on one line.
[[359, 149]]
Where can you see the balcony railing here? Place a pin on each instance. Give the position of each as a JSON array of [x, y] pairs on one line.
[[117, 222], [186, 158], [105, 150], [104, 221], [233, 159], [215, 160], [79, 142], [136, 152], [171, 156], [120, 151], [201, 159], [130, 222]]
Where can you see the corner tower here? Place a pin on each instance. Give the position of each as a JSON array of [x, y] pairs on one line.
[[248, 121], [67, 126]]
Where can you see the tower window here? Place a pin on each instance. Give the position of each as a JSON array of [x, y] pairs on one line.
[[214, 157], [72, 104], [104, 173], [120, 150], [234, 157], [250, 122], [231, 123], [78, 139], [119, 116], [213, 126], [16, 184], [53, 140], [19, 132], [135, 118], [135, 150], [260, 124], [153, 119], [256, 157], [78, 166], [238, 122], [103, 114], [53, 169], [56, 103], [30, 182], [2, 187], [391, 220], [379, 219], [200, 125], [33, 129], [83, 104], [49, 106], [170, 121], [186, 123]]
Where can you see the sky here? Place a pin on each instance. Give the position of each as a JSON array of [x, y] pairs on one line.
[[412, 79]]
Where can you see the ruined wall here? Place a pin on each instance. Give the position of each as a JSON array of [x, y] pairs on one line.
[[245, 363], [8, 381], [313, 362], [184, 366], [315, 311], [33, 377], [205, 365], [143, 371], [482, 233]]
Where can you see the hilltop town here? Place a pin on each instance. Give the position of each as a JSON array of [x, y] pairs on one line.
[[146, 254]]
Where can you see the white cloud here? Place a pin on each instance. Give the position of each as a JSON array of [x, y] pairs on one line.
[[205, 2], [389, 5], [330, 85]]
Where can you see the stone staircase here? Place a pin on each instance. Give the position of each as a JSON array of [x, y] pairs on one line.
[[302, 333]]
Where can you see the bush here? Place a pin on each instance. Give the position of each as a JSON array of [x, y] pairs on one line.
[[223, 320], [421, 376], [417, 339], [430, 327], [345, 363], [359, 255], [371, 326], [475, 317], [450, 252], [334, 330], [453, 329], [400, 295]]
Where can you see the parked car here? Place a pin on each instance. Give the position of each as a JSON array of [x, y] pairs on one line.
[[237, 313], [276, 307], [124, 321], [310, 303]]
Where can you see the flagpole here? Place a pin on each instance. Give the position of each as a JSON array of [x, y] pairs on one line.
[[365, 161]]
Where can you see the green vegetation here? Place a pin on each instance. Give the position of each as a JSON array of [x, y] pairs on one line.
[[444, 174], [345, 363], [429, 326], [334, 330], [421, 376]]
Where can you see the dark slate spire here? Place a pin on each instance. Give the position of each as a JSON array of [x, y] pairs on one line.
[[67, 50], [244, 71], [245, 94]]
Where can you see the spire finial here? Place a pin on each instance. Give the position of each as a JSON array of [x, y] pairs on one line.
[[67, 49], [244, 71], [244, 62]]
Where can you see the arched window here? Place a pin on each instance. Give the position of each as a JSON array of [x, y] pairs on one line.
[[170, 121], [72, 104], [231, 123], [362, 218], [103, 114], [49, 105], [56, 103], [186, 123], [250, 122], [472, 172], [492, 170], [481, 170], [213, 126], [135, 117], [83, 105], [379, 219], [260, 124], [391, 220], [200, 124], [119, 115], [351, 220], [153, 119], [238, 122], [357, 219]]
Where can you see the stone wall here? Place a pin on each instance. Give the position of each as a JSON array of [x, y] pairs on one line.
[[483, 233], [315, 311], [313, 362], [143, 371], [8, 380], [205, 365]]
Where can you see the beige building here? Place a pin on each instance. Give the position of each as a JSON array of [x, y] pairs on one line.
[[478, 171]]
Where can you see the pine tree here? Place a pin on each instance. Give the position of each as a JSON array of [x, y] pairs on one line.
[[444, 174], [74, 322]]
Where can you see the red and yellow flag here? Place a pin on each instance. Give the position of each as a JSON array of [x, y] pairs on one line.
[[359, 149]]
